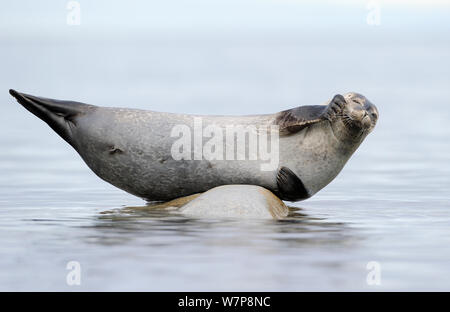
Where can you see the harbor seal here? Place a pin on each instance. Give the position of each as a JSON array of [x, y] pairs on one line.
[[134, 149]]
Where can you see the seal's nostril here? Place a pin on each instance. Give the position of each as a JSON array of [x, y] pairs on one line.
[[360, 113]]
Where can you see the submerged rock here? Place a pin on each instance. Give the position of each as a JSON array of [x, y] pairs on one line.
[[234, 201]]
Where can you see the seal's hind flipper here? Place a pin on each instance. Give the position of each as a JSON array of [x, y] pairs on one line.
[[57, 114], [290, 187], [37, 105]]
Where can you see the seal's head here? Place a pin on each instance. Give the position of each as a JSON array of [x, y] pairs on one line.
[[329, 135], [359, 114], [355, 117]]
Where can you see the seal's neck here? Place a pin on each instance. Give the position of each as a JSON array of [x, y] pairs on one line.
[[350, 138]]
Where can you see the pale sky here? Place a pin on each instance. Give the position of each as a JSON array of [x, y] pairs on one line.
[[48, 17]]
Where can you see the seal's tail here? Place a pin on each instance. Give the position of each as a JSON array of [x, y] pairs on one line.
[[57, 114]]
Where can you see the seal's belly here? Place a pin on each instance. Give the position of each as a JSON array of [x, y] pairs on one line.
[[164, 178], [140, 158]]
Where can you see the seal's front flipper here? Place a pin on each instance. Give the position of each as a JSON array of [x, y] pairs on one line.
[[59, 115], [335, 107], [293, 120], [290, 187]]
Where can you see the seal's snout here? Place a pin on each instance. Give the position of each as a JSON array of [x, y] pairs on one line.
[[59, 115], [366, 121]]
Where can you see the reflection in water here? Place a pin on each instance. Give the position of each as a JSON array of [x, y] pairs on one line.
[[159, 221]]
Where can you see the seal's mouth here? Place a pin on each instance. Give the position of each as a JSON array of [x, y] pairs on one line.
[[361, 123]]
